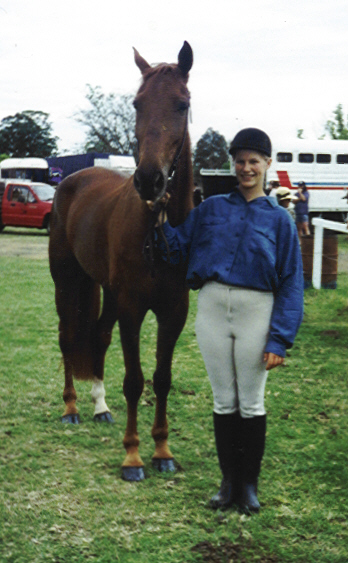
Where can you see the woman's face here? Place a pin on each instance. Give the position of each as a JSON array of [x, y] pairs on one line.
[[251, 168]]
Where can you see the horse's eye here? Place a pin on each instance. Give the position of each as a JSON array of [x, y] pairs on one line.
[[182, 107]]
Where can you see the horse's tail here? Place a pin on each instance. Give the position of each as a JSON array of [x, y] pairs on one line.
[[83, 355]]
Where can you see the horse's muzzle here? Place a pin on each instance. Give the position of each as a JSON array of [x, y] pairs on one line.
[[150, 185]]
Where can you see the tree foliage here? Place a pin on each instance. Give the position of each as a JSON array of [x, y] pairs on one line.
[[28, 133], [110, 122], [338, 127], [211, 151]]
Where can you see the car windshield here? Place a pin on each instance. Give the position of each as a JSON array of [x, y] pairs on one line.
[[44, 192]]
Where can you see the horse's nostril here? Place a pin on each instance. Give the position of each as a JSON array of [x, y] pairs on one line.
[[159, 182]]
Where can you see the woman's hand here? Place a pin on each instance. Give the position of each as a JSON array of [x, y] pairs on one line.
[[272, 360]]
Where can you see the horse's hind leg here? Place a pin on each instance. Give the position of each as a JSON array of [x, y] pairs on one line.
[[77, 301], [70, 414], [103, 339], [67, 306]]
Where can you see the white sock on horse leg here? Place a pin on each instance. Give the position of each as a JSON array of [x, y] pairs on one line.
[[98, 396]]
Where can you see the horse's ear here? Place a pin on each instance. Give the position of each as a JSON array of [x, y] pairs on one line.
[[140, 62], [185, 59]]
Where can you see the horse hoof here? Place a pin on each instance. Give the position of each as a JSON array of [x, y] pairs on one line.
[[103, 417], [133, 473], [163, 464], [71, 419]]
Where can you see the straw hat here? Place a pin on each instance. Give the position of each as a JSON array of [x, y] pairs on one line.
[[283, 193]]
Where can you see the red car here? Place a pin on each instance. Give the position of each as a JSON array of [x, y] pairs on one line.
[[25, 204]]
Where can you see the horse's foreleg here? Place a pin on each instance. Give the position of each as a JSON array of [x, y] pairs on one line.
[[132, 467], [103, 339], [169, 329]]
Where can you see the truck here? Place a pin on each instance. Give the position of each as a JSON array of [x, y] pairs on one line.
[[69, 164], [321, 164], [25, 204]]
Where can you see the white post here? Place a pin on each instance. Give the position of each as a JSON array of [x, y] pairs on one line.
[[317, 255], [320, 225]]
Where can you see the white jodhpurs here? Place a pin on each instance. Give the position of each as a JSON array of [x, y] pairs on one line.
[[232, 327]]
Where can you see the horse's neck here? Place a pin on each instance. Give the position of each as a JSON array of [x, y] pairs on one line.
[[181, 201]]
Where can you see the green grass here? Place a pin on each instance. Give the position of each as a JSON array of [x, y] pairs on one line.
[[62, 498]]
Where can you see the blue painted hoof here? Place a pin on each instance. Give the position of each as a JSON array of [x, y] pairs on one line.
[[104, 417], [71, 419], [133, 473], [164, 464]]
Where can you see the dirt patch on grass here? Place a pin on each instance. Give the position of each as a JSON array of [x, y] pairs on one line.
[[227, 551], [24, 244]]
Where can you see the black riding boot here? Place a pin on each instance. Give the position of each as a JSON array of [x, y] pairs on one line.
[[253, 441], [227, 434]]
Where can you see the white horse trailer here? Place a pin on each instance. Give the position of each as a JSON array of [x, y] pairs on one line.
[[322, 165], [28, 168]]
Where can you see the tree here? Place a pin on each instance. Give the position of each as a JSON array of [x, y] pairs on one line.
[[28, 133], [337, 127], [110, 122], [211, 151]]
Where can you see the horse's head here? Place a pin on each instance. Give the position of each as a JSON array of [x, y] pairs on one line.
[[162, 105]]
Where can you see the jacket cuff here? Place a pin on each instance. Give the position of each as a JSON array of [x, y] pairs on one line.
[[276, 348]]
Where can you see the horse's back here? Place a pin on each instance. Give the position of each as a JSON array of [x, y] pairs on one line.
[[86, 187]]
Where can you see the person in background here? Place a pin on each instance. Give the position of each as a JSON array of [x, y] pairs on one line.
[[244, 256], [273, 185], [301, 210], [197, 196], [284, 199]]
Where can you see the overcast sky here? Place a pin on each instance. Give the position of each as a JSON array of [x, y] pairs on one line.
[[279, 65]]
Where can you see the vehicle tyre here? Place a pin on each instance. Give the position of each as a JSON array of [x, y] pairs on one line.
[[48, 225]]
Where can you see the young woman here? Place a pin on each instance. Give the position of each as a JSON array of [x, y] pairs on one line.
[[243, 255]]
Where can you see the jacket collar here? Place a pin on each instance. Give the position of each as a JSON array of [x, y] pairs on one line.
[[269, 200]]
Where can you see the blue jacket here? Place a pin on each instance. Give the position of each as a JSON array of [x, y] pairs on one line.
[[246, 244]]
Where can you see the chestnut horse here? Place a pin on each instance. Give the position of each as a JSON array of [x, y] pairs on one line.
[[99, 226]]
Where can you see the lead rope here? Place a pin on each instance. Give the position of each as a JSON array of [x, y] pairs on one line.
[[150, 242]]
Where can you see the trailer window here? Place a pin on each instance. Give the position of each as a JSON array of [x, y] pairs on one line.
[[323, 158], [342, 159], [306, 157], [284, 157]]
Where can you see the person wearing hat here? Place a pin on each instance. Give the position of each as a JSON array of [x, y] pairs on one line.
[[243, 255], [301, 209], [283, 196]]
